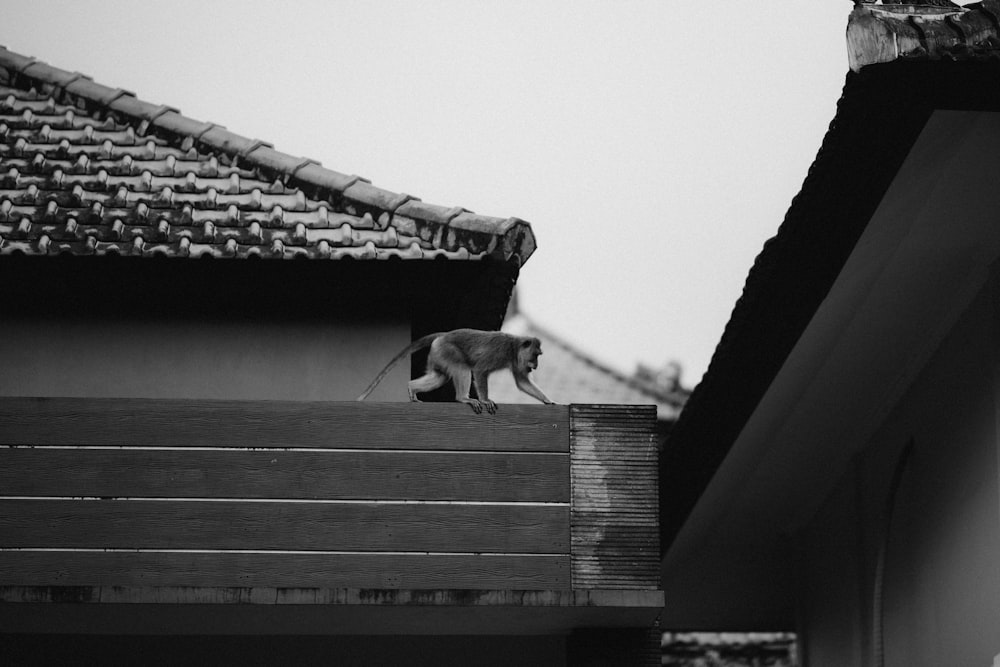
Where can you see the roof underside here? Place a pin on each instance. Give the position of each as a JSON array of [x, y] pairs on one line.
[[88, 170], [884, 109]]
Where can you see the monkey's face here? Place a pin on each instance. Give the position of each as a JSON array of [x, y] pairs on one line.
[[531, 349]]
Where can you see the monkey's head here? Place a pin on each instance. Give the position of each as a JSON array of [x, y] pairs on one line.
[[528, 352]]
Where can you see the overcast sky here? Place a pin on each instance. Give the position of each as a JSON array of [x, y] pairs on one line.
[[654, 146]]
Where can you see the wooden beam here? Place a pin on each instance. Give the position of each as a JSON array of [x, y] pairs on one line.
[[268, 611], [282, 570], [216, 423], [363, 526], [327, 475], [361, 597]]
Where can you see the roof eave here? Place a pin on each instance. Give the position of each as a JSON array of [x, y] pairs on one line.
[[883, 109], [512, 238]]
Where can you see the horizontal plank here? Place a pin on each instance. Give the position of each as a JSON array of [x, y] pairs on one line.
[[640, 473], [217, 423], [634, 455], [367, 475], [632, 546], [371, 570], [606, 411], [423, 600], [309, 526], [618, 521]]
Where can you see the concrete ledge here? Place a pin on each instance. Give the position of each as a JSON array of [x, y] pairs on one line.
[[189, 610]]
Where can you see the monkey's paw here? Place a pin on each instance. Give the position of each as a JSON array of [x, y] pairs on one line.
[[477, 406]]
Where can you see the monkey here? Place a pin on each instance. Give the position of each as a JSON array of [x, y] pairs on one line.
[[455, 353]]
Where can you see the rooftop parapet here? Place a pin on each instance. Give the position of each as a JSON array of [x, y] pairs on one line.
[[326, 517]]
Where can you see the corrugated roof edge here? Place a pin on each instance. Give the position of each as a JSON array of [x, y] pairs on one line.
[[516, 239]]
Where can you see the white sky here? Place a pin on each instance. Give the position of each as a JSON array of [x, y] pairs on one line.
[[654, 146]]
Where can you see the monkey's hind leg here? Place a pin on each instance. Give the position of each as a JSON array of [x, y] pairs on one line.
[[429, 381], [463, 382]]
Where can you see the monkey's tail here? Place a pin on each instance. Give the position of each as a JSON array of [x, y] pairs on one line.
[[418, 344]]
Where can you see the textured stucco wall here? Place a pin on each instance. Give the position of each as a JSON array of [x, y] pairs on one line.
[[271, 360]]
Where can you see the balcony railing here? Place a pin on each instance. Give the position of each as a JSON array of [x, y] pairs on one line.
[[407, 516]]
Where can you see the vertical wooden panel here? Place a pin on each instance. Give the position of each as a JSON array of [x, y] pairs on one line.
[[615, 508]]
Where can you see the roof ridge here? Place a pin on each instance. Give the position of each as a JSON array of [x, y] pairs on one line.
[[517, 236], [932, 29], [592, 360]]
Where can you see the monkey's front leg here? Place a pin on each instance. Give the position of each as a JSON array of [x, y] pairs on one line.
[[483, 391], [525, 384]]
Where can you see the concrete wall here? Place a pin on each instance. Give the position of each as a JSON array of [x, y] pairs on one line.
[[831, 595], [194, 358], [143, 328], [355, 651], [586, 648], [941, 592]]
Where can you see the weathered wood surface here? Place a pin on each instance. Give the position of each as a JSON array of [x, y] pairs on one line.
[[327, 475], [309, 570], [353, 425], [178, 611], [481, 597], [168, 524], [615, 507], [408, 496]]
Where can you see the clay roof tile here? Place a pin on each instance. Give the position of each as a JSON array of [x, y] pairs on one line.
[[103, 155]]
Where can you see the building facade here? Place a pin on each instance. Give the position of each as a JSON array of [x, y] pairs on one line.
[[184, 472], [842, 449]]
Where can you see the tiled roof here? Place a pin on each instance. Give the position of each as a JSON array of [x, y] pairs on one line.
[[568, 375], [930, 29], [86, 169]]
